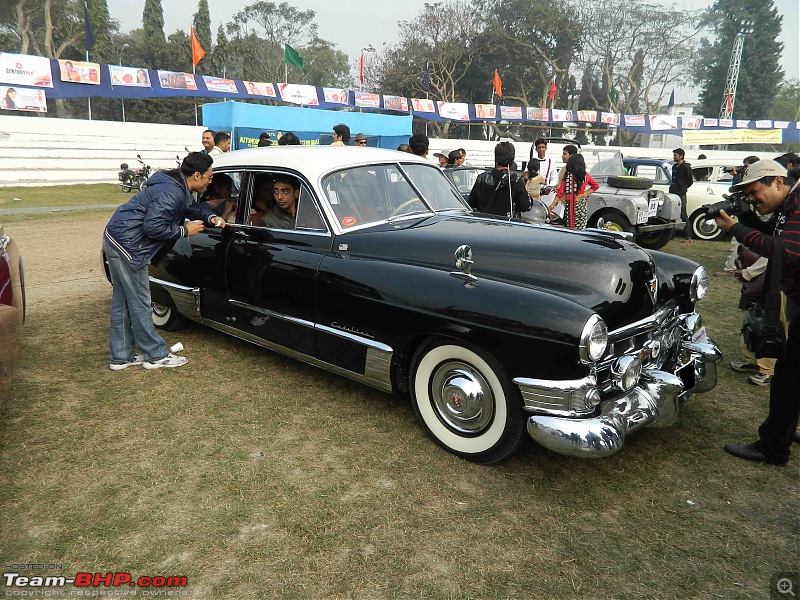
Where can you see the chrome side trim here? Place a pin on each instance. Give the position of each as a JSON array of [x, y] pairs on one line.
[[354, 338], [269, 313], [170, 284], [377, 377], [185, 298]]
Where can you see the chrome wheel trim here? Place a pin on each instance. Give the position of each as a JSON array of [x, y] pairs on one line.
[[462, 397]]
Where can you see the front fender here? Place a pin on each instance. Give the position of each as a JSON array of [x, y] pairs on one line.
[[531, 332]]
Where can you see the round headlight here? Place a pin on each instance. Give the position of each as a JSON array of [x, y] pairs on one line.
[[699, 286], [594, 340]]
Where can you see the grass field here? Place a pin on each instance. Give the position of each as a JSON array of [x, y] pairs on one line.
[[58, 196], [256, 476]]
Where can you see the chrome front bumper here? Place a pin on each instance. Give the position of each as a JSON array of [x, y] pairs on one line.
[[654, 401]]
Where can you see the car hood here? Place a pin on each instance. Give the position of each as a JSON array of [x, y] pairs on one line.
[[604, 273]]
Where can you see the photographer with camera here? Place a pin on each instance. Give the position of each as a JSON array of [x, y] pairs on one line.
[[770, 190]]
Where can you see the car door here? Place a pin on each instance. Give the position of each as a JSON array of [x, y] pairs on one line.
[[271, 273]]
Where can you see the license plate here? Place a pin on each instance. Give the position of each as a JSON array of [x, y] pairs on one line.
[[641, 217], [652, 210], [700, 336]]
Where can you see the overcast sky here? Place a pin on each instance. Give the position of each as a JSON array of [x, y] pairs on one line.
[[355, 24]]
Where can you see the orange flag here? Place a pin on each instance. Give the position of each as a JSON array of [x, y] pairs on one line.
[[197, 50], [497, 84]]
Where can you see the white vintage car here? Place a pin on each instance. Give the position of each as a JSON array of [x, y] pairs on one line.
[[712, 178]]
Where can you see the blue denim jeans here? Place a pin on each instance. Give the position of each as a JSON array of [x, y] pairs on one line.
[[131, 312]]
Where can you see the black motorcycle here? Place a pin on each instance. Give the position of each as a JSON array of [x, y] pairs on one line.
[[130, 179]]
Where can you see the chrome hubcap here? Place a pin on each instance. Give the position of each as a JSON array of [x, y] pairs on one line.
[[462, 397], [160, 311]]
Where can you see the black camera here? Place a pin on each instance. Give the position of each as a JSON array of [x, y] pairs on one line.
[[735, 204]]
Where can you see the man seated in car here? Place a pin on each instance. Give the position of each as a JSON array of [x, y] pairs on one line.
[[287, 191]]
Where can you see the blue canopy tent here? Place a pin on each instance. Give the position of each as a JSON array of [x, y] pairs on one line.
[[313, 126]]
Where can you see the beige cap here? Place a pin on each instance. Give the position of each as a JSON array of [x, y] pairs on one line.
[[762, 168]]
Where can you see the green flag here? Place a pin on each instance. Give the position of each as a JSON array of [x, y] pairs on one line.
[[293, 57], [613, 96]]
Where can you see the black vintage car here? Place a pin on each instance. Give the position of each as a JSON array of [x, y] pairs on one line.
[[492, 327]]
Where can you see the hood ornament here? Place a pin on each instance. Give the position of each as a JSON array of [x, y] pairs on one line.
[[463, 261]]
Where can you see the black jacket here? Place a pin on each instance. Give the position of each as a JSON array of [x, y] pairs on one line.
[[682, 179], [492, 194]]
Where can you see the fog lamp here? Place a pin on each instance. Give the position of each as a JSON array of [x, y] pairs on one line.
[[625, 372]]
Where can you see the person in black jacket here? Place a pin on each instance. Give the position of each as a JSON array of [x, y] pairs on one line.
[[499, 191], [149, 222], [682, 180]]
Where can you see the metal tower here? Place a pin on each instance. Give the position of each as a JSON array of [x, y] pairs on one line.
[[729, 95]]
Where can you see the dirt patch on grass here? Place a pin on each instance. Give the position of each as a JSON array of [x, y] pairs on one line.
[[61, 256]]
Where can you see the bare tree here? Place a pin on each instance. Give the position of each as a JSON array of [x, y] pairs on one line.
[[637, 50], [444, 42]]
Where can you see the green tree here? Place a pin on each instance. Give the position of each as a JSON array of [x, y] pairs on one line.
[[530, 42], [760, 72], [258, 34], [325, 65], [153, 21], [202, 25]]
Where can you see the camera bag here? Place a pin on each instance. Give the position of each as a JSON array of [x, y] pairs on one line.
[[762, 330]]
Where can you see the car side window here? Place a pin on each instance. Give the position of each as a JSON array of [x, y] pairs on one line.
[[265, 211], [308, 216], [649, 171]]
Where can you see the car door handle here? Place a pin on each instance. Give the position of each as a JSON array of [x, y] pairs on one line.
[[239, 237]]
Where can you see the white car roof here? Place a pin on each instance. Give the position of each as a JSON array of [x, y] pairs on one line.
[[313, 161], [715, 162]]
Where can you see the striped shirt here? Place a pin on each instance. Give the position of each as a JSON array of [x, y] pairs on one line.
[[787, 226]]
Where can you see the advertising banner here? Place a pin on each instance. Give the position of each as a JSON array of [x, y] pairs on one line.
[[129, 76], [79, 72], [395, 103], [538, 114], [662, 122], [609, 118], [22, 69], [367, 100], [734, 136], [634, 120], [260, 88], [510, 112], [22, 99], [458, 111], [336, 96], [217, 84], [485, 111], [561, 115], [423, 105], [587, 116], [176, 81], [299, 94]]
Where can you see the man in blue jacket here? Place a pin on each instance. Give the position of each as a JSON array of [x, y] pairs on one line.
[[150, 221]]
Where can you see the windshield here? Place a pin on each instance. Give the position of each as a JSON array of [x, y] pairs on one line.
[[375, 193], [464, 179], [608, 166]]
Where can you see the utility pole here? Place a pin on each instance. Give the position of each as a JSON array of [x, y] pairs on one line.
[[729, 95], [120, 64]]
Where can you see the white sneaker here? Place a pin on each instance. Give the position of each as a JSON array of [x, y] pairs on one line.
[[170, 360], [136, 360]]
